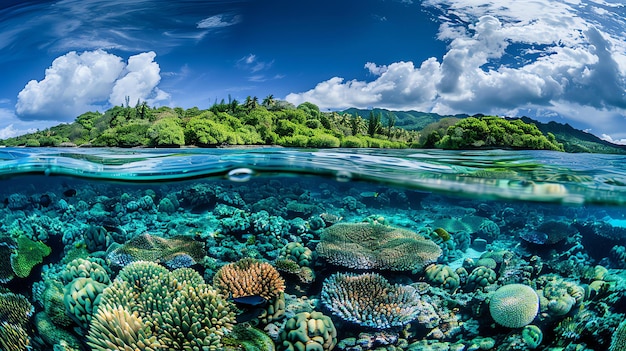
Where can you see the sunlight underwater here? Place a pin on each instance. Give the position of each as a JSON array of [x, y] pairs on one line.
[[285, 249]]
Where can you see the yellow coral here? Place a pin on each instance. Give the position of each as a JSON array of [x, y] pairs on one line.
[[115, 328], [376, 246], [13, 337], [177, 308]]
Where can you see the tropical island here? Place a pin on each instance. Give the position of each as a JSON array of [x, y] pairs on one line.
[[277, 122]]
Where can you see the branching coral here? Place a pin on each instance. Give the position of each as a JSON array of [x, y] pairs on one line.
[[376, 246], [173, 252], [172, 310], [370, 300], [248, 277]]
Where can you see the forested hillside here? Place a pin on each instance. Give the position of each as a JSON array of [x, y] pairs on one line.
[[275, 122]]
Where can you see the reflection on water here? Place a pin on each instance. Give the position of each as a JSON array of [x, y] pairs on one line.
[[318, 249]]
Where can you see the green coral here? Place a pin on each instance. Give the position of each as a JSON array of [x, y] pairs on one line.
[[442, 275], [160, 309], [308, 331], [53, 334], [618, 342], [480, 277], [53, 303], [81, 298], [514, 305], [28, 254], [245, 337], [86, 268], [532, 336]]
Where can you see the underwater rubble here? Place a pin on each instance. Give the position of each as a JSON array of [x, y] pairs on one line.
[[287, 263]]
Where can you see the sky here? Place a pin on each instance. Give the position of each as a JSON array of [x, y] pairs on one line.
[[552, 60]]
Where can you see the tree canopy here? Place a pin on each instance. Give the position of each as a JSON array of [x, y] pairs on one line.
[[276, 122]]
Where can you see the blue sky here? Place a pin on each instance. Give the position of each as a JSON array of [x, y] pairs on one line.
[[551, 60]]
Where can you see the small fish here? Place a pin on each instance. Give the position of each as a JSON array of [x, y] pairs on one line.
[[69, 192], [369, 194], [248, 301], [45, 200]]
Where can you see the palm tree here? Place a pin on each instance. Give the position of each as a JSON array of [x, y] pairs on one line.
[[269, 101]]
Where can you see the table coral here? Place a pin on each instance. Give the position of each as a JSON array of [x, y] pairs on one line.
[[28, 254], [147, 247], [370, 300], [376, 246]]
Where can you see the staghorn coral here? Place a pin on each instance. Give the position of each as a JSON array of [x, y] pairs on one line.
[[370, 300], [514, 305], [176, 308], [376, 246], [308, 331], [248, 277], [153, 248]]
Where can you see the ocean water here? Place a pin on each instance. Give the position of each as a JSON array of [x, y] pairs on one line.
[[287, 249]]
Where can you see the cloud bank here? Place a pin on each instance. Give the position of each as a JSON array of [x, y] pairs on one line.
[[88, 81], [502, 57]]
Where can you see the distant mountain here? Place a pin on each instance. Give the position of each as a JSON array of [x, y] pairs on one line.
[[410, 120], [576, 140], [573, 140]]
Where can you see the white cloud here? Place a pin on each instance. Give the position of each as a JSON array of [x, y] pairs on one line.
[[573, 60], [11, 126], [219, 21], [608, 138], [80, 82], [139, 81]]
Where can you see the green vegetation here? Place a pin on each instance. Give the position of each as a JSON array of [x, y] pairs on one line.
[[276, 122], [489, 132]]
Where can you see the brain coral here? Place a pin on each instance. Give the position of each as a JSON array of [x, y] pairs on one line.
[[159, 310], [248, 277], [514, 305], [376, 246], [153, 248], [369, 300]]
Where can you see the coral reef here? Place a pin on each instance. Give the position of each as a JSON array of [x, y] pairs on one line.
[[370, 300], [376, 246]]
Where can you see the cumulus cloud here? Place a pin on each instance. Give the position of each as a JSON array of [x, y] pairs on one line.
[[568, 58], [92, 80]]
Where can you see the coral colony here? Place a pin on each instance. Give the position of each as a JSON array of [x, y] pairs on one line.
[[303, 264]]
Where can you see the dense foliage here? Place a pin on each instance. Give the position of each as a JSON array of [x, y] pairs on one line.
[[275, 122], [489, 132]]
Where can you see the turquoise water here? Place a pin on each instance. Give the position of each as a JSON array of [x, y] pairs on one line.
[[335, 249]]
